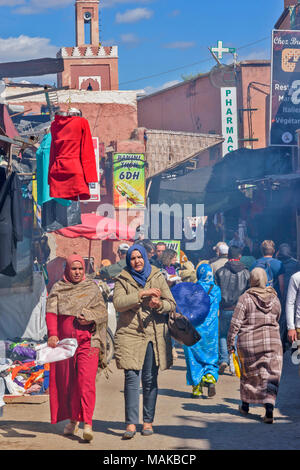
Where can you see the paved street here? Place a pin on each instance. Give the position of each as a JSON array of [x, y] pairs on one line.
[[181, 422]]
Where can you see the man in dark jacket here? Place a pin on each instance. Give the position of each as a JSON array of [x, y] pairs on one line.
[[233, 280]]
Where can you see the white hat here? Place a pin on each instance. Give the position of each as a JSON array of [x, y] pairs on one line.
[[123, 247], [223, 249]]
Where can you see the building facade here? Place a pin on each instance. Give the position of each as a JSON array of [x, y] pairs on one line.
[[195, 105], [88, 65]]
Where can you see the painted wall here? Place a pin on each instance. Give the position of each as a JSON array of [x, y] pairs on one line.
[[260, 78], [187, 107], [106, 68], [195, 106]]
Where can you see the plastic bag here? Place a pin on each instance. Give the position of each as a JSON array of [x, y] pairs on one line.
[[12, 387], [235, 365], [192, 301], [64, 350]]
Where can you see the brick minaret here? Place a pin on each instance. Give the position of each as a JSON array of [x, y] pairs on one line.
[[87, 17], [88, 65]]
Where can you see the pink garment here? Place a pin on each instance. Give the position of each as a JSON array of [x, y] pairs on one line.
[[72, 383]]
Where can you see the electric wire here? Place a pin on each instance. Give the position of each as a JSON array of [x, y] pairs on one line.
[[188, 65]]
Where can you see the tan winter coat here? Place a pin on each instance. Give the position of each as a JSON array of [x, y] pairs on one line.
[[188, 272], [138, 324]]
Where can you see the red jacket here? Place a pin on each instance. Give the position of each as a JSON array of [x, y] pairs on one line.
[[72, 158]]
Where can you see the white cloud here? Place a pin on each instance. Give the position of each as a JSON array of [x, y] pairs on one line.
[[32, 7], [180, 45], [50, 79], [25, 48], [133, 16], [108, 42], [130, 39], [150, 89], [255, 55], [169, 84], [113, 3], [11, 3], [175, 13]]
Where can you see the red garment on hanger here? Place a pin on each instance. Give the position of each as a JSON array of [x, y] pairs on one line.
[[72, 158]]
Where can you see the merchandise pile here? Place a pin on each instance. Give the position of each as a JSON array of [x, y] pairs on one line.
[[19, 370]]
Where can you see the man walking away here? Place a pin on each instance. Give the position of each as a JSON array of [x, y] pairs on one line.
[[273, 267], [233, 280], [222, 257]]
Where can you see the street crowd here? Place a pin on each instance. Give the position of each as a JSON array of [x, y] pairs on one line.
[[254, 313]]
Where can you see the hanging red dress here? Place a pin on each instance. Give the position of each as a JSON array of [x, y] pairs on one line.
[[72, 158]]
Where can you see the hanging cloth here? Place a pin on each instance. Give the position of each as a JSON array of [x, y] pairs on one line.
[[11, 221], [72, 158], [42, 170]]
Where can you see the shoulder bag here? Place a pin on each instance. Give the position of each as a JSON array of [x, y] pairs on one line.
[[182, 330]]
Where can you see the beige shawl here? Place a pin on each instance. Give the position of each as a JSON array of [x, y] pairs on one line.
[[83, 298], [258, 284]]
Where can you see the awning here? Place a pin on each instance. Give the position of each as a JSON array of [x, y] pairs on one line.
[[274, 179], [96, 227], [217, 186]]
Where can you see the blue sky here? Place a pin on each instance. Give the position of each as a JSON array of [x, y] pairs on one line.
[[154, 37]]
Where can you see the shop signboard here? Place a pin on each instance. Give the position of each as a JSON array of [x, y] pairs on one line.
[[229, 119], [285, 88], [129, 180]]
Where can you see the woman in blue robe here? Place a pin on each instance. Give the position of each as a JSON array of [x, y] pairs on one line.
[[202, 358]]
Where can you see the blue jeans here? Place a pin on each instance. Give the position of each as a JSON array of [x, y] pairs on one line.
[[150, 389], [225, 317]]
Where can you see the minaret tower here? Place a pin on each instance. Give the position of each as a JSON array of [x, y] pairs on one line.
[[87, 22], [88, 65]]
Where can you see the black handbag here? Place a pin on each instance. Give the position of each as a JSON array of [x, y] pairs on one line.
[[182, 330]]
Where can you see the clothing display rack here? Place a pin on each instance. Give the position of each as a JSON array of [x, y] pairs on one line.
[[19, 142]]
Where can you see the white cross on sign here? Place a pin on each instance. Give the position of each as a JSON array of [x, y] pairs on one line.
[[220, 49]]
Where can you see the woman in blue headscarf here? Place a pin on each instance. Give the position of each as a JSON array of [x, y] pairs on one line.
[[142, 340], [202, 358]]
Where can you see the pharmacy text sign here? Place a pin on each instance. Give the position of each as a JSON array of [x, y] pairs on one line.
[[229, 119]]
